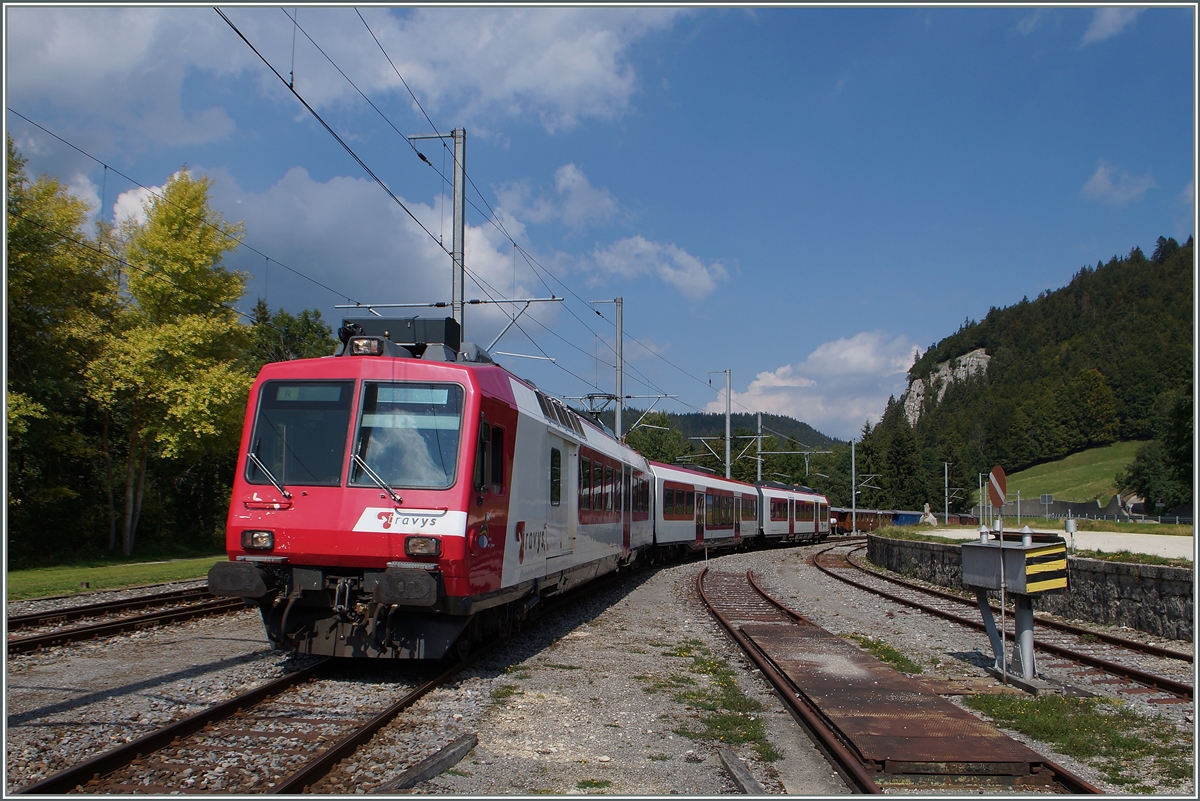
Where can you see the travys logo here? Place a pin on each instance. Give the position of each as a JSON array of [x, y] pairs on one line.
[[411, 521], [532, 541]]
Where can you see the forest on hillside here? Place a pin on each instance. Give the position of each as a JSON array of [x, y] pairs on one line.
[[1108, 357]]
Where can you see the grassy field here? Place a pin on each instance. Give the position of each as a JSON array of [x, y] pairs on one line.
[[1079, 477], [67, 580]]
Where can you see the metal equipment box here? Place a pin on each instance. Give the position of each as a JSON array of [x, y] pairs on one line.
[[411, 330], [1028, 569]]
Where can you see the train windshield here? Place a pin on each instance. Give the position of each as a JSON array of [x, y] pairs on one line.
[[300, 432], [409, 434]]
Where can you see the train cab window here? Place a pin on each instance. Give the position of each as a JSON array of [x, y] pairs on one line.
[[489, 459], [585, 483], [408, 434], [555, 476], [300, 432]]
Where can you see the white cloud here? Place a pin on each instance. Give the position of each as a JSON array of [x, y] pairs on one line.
[[1108, 22], [127, 64], [575, 202], [347, 235], [131, 204], [1116, 187], [476, 66], [637, 255], [1187, 195], [839, 386], [1028, 25]]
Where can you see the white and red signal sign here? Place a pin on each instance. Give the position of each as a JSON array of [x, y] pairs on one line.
[[997, 485]]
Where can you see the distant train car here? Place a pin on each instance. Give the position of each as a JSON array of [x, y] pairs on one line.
[[849, 521], [697, 510], [792, 513]]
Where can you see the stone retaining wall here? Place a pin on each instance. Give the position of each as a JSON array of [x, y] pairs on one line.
[[1149, 598]]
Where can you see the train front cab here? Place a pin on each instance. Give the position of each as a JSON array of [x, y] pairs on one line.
[[367, 502]]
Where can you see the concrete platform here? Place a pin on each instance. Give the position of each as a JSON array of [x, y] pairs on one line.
[[1107, 541]]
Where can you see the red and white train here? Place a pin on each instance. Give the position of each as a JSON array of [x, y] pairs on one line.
[[406, 497]]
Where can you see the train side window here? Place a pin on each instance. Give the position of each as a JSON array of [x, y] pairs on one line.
[[482, 453], [668, 501], [555, 476], [497, 449], [585, 483], [608, 488], [689, 508], [597, 486]]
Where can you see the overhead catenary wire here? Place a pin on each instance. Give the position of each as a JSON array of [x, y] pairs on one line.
[[333, 133], [491, 216], [163, 198]]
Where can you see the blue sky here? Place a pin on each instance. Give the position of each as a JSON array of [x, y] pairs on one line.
[[805, 196]]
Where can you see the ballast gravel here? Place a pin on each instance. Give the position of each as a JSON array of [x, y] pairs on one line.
[[575, 703], [38, 605]]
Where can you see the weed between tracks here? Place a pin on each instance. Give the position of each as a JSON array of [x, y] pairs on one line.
[[881, 650], [733, 716], [1135, 752]]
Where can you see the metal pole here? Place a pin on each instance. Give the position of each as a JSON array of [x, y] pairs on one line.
[[460, 174], [759, 440], [853, 493], [728, 400], [946, 492], [620, 362]]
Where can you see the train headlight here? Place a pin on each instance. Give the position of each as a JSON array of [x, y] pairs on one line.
[[423, 546], [366, 346], [258, 540]]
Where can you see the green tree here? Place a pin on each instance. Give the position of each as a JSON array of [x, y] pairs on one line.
[[60, 295], [174, 373], [281, 337], [657, 440]]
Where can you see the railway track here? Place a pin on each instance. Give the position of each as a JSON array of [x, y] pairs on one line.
[[281, 737], [1092, 658], [113, 617], [878, 728]]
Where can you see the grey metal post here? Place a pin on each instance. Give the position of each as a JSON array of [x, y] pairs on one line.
[[620, 362], [989, 623], [759, 479], [460, 175], [728, 400], [853, 493], [1023, 641], [946, 493]]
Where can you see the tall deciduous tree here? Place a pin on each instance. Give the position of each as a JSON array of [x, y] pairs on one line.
[[174, 373], [60, 292]]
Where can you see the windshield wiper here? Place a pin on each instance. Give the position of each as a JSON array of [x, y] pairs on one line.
[[258, 463], [371, 474]]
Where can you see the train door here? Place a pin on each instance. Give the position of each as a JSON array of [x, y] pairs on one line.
[[791, 518], [626, 507], [737, 518], [699, 519], [557, 513]]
